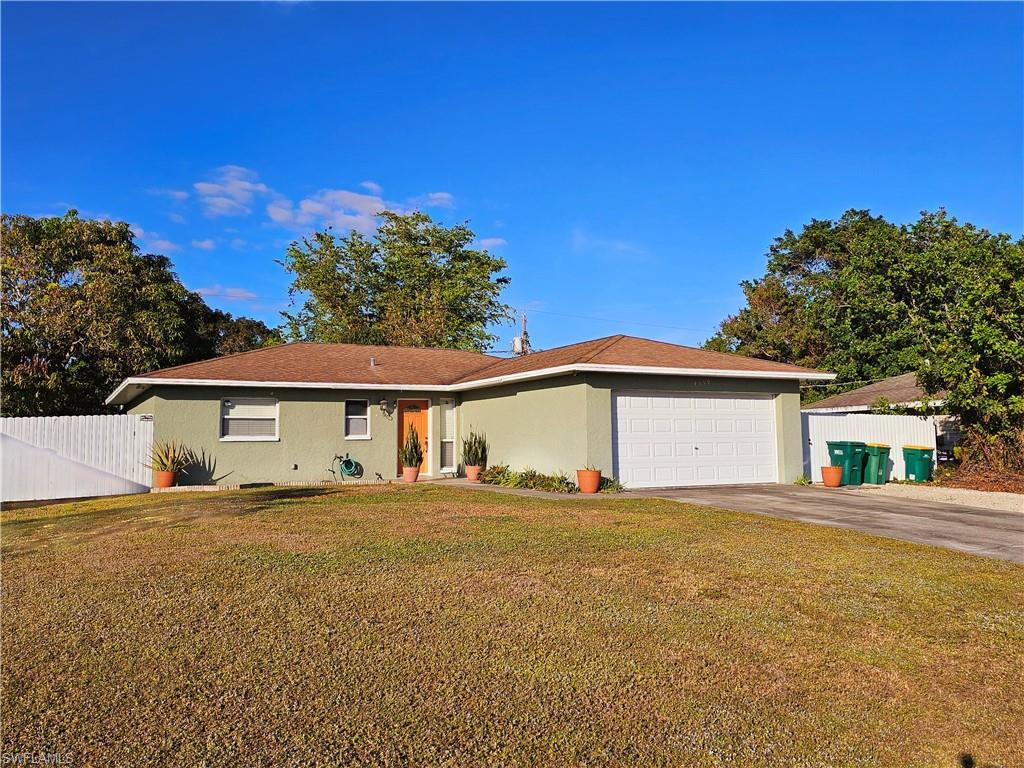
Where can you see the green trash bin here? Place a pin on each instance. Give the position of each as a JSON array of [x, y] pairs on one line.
[[876, 468], [848, 454], [918, 459]]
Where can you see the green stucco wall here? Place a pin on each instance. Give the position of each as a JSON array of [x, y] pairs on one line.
[[551, 425], [310, 430], [538, 424]]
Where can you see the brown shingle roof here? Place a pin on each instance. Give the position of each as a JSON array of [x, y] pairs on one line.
[[897, 389], [632, 351], [339, 364], [335, 363]]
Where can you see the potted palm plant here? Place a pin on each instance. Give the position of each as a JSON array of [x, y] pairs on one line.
[[411, 456], [474, 455], [588, 479], [167, 460]]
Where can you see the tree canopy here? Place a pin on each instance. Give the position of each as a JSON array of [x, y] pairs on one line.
[[415, 283], [83, 308], [867, 299]]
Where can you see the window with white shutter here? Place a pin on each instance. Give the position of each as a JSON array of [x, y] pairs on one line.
[[248, 418]]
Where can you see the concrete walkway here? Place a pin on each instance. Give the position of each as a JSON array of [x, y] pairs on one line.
[[986, 532]]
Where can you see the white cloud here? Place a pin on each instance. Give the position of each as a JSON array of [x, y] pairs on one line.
[[239, 243], [204, 245], [236, 294], [161, 244], [339, 208], [434, 200], [177, 218], [152, 240], [173, 194], [231, 191], [491, 242], [372, 186]]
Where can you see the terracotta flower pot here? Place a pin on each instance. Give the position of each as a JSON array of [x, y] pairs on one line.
[[832, 476], [589, 480], [473, 473], [409, 474], [163, 479]]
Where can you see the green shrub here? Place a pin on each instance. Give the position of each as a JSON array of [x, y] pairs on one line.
[[531, 479], [802, 480], [610, 485]]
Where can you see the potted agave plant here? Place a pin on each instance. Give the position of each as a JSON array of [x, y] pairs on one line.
[[411, 456], [588, 479], [474, 455], [167, 460]]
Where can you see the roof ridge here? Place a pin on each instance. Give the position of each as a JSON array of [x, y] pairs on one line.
[[612, 341]]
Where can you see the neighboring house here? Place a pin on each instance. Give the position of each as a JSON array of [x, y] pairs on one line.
[[901, 392], [647, 412]]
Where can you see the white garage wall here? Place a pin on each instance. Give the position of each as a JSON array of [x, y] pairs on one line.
[[894, 431]]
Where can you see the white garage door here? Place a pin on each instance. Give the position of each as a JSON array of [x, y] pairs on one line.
[[664, 439]]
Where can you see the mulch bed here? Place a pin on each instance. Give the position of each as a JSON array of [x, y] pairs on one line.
[[981, 480]]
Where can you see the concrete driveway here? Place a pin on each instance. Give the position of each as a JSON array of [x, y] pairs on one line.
[[987, 532]]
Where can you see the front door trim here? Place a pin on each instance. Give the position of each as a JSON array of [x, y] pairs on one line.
[[428, 459]]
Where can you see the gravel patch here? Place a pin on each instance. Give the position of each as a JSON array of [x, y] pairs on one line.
[[1007, 502]]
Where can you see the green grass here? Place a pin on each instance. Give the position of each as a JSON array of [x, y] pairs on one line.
[[439, 626]]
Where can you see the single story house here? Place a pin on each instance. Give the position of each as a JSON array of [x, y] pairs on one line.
[[901, 392], [647, 412]]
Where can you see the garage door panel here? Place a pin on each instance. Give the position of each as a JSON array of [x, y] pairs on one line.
[[736, 445]]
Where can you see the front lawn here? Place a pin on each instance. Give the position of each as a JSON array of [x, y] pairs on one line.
[[442, 626]]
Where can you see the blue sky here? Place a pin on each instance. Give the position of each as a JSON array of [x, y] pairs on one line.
[[631, 162]]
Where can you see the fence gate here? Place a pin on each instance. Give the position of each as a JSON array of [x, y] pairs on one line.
[[63, 457], [894, 431]]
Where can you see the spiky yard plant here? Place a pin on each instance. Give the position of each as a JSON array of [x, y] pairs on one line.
[[411, 454], [169, 457], [474, 450]]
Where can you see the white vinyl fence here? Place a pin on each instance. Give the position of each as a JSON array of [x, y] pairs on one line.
[[63, 457], [894, 431]]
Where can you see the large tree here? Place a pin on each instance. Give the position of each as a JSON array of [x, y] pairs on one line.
[[867, 299], [83, 309], [415, 283]]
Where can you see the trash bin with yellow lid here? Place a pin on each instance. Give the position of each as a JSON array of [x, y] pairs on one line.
[[918, 459], [876, 469]]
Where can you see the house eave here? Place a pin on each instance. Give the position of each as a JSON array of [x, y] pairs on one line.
[[134, 386]]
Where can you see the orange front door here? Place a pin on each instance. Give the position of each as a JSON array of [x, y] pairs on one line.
[[414, 413]]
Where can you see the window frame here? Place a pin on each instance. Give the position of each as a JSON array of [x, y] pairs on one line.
[[250, 438], [453, 437], [345, 417]]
